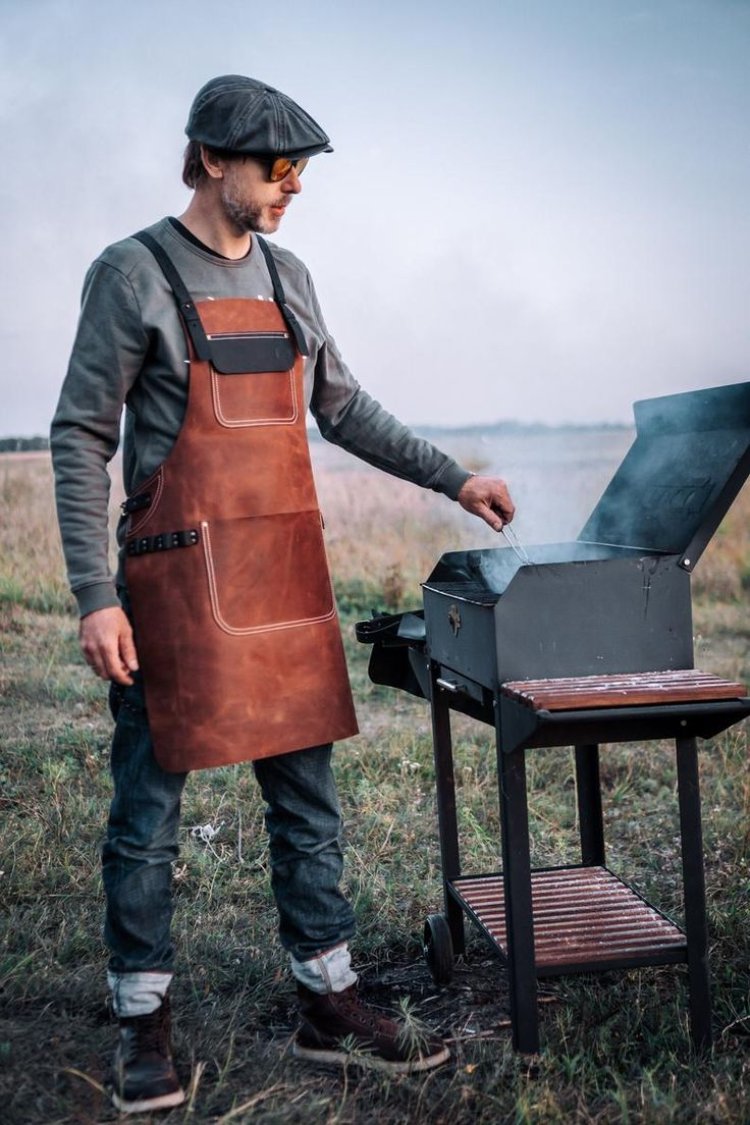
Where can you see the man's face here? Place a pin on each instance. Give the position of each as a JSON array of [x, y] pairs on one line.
[[251, 202]]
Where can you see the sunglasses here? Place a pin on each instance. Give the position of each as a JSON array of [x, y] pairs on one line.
[[280, 167]]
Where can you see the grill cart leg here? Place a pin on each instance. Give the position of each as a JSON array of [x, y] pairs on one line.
[[446, 808], [589, 793], [695, 891], [519, 918]]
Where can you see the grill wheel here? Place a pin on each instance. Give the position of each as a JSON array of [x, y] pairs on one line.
[[438, 948]]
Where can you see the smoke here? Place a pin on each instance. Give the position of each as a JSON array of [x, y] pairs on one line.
[[555, 476], [664, 492]]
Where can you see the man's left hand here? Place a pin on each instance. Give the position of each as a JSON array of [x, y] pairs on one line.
[[488, 498]]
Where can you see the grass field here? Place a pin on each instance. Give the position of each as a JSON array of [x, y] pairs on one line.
[[616, 1046]]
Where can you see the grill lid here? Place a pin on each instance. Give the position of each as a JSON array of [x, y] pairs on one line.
[[690, 457]]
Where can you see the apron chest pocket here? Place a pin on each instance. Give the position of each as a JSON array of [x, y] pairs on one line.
[[252, 379]]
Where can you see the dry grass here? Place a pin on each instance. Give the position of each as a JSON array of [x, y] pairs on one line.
[[724, 571], [384, 536], [30, 571], [616, 1047]]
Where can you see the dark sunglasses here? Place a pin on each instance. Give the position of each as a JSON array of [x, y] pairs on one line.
[[280, 167]]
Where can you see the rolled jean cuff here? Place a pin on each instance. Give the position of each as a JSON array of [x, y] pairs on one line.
[[330, 971], [137, 994]]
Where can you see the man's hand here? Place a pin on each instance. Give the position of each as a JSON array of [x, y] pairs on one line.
[[488, 498], [107, 643]]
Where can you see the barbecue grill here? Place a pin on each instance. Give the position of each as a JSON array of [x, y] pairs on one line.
[[578, 644]]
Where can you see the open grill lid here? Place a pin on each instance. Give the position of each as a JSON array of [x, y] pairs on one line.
[[690, 457]]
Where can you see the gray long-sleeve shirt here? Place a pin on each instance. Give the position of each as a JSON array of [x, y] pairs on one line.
[[130, 351]]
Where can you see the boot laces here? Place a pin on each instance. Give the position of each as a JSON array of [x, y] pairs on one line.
[[351, 1003]]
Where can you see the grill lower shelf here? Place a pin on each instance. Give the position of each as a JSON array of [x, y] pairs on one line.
[[585, 919]]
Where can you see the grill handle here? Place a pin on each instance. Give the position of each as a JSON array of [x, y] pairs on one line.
[[447, 685]]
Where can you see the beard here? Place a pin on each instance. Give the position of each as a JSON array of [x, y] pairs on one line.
[[246, 216]]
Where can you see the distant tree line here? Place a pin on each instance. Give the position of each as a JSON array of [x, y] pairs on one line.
[[23, 444]]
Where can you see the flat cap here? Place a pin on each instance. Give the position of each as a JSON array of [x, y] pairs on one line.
[[240, 114]]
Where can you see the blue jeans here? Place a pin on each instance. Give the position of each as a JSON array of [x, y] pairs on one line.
[[303, 821]]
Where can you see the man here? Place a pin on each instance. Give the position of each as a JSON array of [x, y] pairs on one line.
[[215, 344]]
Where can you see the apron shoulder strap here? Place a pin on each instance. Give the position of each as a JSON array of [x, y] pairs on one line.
[[185, 303], [280, 296], [187, 308]]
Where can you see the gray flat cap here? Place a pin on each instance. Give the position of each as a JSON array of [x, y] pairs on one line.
[[242, 115]]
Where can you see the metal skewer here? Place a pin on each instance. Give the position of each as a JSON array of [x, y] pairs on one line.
[[516, 545]]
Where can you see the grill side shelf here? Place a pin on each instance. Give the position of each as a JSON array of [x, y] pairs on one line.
[[585, 919], [688, 685]]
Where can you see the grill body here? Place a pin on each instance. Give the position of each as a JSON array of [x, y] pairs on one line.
[[565, 615]]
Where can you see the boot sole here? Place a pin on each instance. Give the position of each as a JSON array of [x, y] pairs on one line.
[[144, 1105], [334, 1057]]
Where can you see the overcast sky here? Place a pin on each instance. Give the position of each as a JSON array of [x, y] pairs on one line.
[[536, 210]]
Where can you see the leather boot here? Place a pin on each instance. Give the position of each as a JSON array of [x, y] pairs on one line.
[[143, 1074], [336, 1027]]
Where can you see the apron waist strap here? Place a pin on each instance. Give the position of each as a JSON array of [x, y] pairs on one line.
[[166, 541]]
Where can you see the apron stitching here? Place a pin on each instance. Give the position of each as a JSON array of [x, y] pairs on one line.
[[247, 422], [253, 629], [158, 486]]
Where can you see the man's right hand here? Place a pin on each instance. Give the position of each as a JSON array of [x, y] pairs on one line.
[[107, 642]]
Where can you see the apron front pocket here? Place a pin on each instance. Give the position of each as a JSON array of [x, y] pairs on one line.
[[259, 398], [267, 572]]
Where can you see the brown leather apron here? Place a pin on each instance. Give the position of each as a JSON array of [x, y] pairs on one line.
[[234, 616]]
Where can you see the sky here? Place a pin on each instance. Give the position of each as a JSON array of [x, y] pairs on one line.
[[537, 210]]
